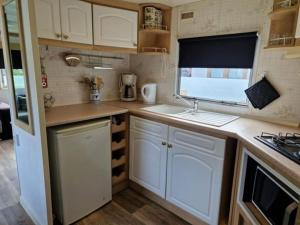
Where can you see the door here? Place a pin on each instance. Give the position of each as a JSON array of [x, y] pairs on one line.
[[48, 19], [148, 161], [76, 21], [194, 176], [115, 27]]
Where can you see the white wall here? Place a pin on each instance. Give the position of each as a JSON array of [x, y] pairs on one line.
[[31, 150], [63, 79], [213, 17]]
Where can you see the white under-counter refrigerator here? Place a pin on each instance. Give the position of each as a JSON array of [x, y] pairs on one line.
[[80, 164]]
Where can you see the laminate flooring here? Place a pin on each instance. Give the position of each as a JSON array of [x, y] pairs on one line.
[[11, 213], [130, 208], [127, 207]]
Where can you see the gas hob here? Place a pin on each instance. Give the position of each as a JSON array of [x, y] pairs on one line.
[[287, 144]]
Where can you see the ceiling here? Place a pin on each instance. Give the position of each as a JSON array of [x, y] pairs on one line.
[[172, 3]]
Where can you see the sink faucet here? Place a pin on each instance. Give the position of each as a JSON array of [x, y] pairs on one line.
[[193, 106], [196, 105]]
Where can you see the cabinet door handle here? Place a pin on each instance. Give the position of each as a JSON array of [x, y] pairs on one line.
[[58, 35], [164, 143], [134, 44], [170, 146], [65, 36]]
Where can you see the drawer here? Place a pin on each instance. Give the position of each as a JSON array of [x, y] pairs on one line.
[[150, 127], [204, 143]]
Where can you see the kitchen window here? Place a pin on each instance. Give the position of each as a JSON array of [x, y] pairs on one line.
[[216, 68]]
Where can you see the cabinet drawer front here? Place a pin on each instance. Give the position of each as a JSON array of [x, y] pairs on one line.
[[150, 127], [201, 142]]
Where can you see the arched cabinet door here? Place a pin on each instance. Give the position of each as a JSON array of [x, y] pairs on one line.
[[76, 21], [48, 19], [115, 27], [148, 161], [194, 174]]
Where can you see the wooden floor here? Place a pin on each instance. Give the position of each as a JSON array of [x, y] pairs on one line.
[[130, 208], [127, 207], [11, 213]]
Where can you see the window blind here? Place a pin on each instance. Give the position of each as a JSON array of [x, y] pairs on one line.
[[224, 51]]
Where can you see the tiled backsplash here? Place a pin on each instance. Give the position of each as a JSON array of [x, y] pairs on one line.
[[63, 80], [213, 17]]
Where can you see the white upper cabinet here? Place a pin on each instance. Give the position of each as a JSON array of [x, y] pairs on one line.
[[48, 19], [76, 21], [115, 27]]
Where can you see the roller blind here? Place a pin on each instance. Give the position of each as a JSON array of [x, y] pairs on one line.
[[224, 51]]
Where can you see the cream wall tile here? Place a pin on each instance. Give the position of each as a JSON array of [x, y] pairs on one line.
[[63, 80]]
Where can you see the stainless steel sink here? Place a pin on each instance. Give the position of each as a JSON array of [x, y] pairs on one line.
[[200, 116]]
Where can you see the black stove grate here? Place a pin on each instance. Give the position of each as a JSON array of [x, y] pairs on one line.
[[287, 144]]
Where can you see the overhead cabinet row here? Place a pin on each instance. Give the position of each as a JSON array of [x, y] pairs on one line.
[[86, 23]]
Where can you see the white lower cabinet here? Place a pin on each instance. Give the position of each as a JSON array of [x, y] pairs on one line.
[[187, 171], [148, 158], [194, 177]]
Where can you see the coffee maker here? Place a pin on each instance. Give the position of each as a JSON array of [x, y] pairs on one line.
[[127, 86]]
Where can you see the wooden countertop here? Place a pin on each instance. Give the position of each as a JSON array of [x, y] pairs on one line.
[[75, 113], [242, 129]]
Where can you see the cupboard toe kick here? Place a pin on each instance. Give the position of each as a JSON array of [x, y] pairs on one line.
[[182, 167]]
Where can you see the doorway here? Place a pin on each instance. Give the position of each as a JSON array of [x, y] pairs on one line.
[[11, 212]]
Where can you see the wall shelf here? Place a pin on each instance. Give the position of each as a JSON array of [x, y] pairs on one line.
[[158, 36], [156, 31], [283, 27], [279, 13]]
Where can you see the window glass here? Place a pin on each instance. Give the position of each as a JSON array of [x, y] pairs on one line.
[[226, 85], [217, 73]]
